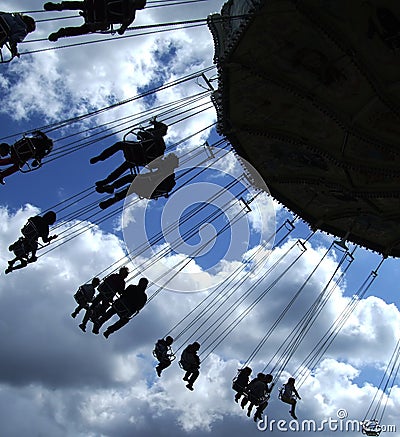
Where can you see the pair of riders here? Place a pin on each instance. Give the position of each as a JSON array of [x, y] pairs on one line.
[[147, 151], [189, 361], [26, 246]]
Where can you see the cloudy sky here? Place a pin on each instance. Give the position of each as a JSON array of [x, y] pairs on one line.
[[58, 381]]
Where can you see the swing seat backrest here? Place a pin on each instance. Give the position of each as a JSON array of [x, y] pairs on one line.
[[106, 291], [80, 297], [30, 232], [281, 393], [134, 154], [183, 364], [96, 12], [22, 151], [116, 10], [157, 353], [122, 310], [237, 387]]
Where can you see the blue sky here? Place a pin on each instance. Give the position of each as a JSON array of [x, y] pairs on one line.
[[66, 383]]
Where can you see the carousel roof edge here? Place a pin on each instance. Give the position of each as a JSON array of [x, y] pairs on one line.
[[228, 26]]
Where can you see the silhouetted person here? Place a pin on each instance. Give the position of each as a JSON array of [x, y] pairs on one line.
[[84, 296], [289, 395], [99, 15], [110, 286], [25, 247], [35, 147], [150, 146], [190, 362], [241, 382], [132, 300], [163, 353], [263, 401], [14, 28], [149, 185]]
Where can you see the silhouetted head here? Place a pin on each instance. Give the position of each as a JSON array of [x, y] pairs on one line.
[[268, 378], [124, 272], [246, 370], [169, 340], [160, 128], [95, 282], [291, 381], [143, 282], [196, 346], [29, 23], [260, 376], [50, 217]]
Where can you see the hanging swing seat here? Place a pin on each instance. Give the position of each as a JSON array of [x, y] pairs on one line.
[[238, 387], [170, 355], [95, 15], [187, 366], [371, 428], [256, 400], [284, 398], [22, 151], [7, 55], [80, 298], [134, 153], [106, 292], [30, 231], [102, 15], [122, 310]]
